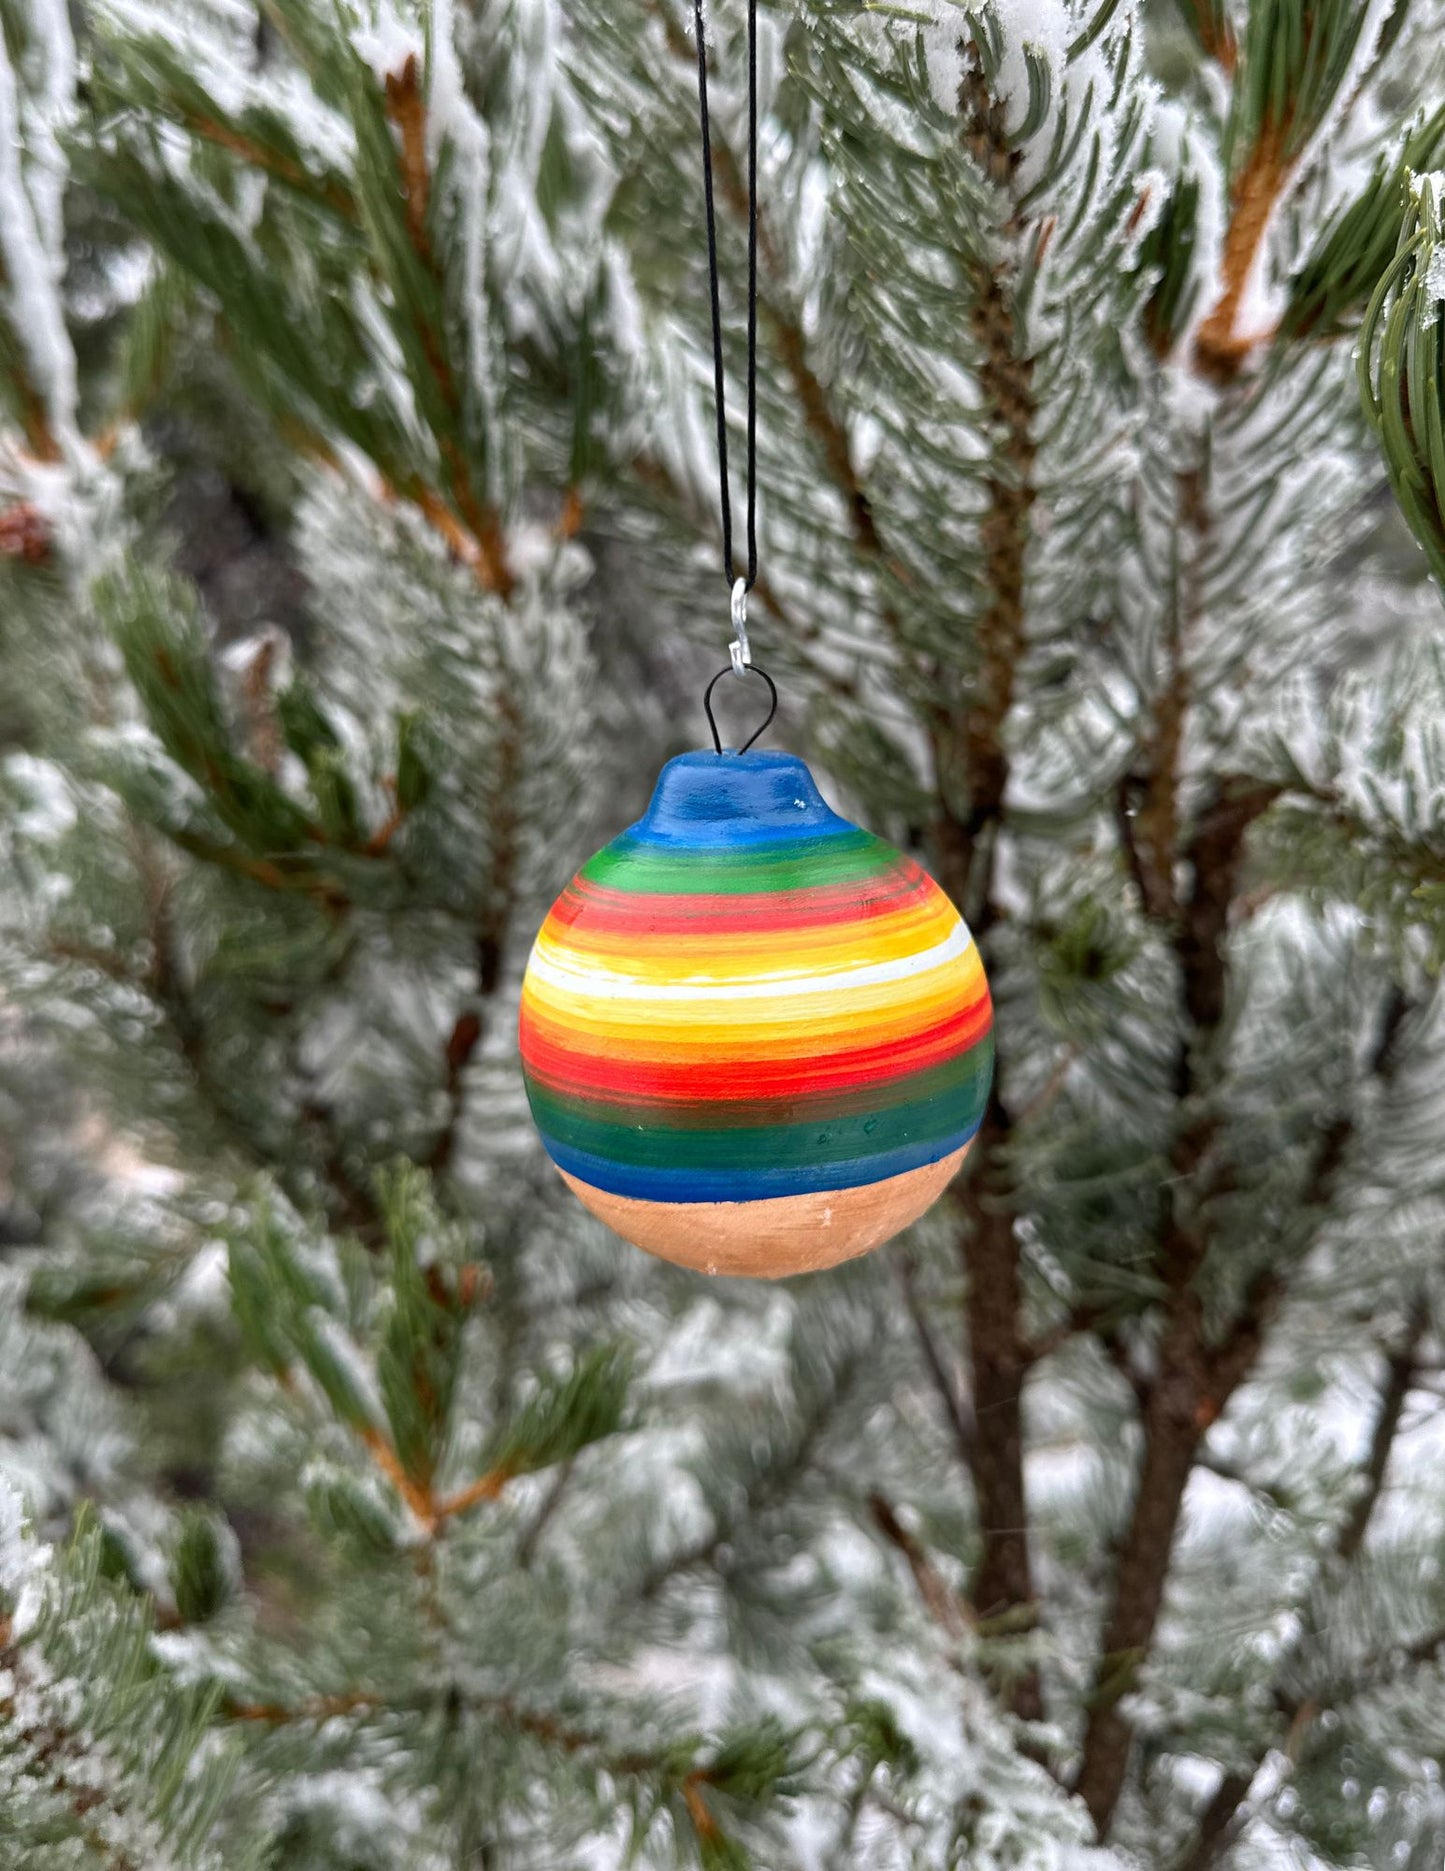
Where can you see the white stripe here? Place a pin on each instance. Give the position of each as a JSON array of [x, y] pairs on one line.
[[596, 983]]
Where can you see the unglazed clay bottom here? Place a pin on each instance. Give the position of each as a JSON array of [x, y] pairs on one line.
[[779, 1235]]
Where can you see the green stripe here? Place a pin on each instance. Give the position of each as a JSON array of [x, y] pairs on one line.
[[812, 1141], [799, 864]]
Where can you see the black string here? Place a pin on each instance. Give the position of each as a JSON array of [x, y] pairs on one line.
[[717, 353]]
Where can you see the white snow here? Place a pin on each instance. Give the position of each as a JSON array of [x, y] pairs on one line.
[[49, 21], [33, 266], [942, 43], [1042, 27], [452, 122], [388, 42], [1435, 279]]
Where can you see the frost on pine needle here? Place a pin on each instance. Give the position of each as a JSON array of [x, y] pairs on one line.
[[1435, 284]]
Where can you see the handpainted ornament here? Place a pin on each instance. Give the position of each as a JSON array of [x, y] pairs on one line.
[[756, 1039]]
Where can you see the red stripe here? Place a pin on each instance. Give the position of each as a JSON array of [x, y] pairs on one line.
[[606, 910], [561, 1067]]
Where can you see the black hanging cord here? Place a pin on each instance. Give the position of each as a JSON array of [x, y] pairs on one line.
[[717, 352], [755, 669]]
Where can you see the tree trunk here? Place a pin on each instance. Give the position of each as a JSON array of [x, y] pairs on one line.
[[1174, 1423], [1002, 1581]]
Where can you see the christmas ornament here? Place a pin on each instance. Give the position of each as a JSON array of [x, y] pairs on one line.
[[756, 1039]]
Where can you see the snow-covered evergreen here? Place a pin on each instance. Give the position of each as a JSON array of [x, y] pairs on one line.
[[362, 1503]]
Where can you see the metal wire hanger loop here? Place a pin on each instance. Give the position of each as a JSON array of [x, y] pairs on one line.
[[739, 649]]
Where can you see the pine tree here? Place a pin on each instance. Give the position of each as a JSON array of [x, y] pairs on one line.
[[368, 1505]]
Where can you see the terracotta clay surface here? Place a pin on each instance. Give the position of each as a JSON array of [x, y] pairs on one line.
[[777, 1236], [754, 1036]]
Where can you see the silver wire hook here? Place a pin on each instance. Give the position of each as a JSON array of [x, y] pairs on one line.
[[739, 649]]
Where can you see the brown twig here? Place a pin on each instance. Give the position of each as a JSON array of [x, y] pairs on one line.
[[1215, 32], [970, 756], [430, 1510], [250, 149], [956, 1411], [25, 534], [487, 1487], [416, 1494], [944, 1606], [32, 410], [1220, 350], [572, 514], [551, 1730], [406, 107], [312, 1709], [258, 703], [542, 1519], [1002, 1583], [492, 933], [379, 842]]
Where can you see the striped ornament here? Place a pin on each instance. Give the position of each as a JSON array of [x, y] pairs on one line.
[[756, 1039]]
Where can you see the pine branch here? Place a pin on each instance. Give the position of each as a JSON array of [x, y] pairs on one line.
[[1401, 369], [350, 1205], [738, 1768], [54, 1748], [1002, 1584], [1211, 25], [491, 939], [968, 739], [505, 1710], [956, 1411], [763, 1488], [1149, 815], [1294, 60], [1220, 350], [969, 749], [406, 109], [271, 161], [1191, 1387], [948, 1611], [1226, 1815], [385, 211], [1195, 1379], [100, 1748], [350, 1202], [562, 1419]]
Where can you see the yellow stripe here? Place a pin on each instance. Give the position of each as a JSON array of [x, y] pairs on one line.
[[796, 1023]]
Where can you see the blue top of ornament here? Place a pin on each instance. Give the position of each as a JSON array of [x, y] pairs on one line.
[[736, 799]]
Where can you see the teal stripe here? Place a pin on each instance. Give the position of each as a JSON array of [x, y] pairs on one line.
[[704, 1145]]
